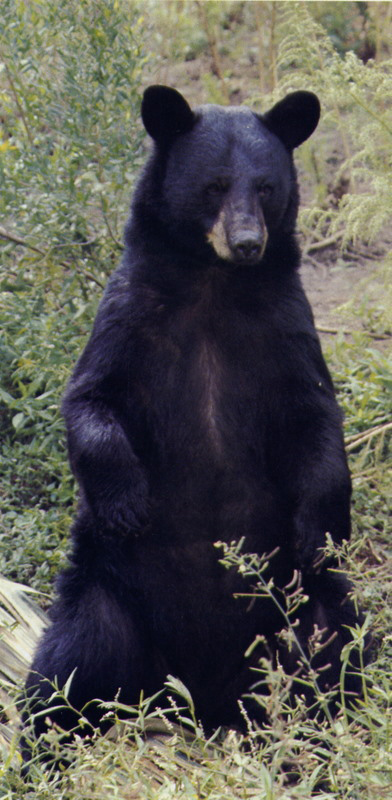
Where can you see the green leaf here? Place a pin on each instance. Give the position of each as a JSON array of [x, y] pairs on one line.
[[18, 420]]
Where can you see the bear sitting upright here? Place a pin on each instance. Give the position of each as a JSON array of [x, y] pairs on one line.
[[200, 410]]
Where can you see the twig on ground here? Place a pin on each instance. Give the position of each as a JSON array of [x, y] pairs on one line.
[[359, 438], [11, 237], [335, 331], [323, 243]]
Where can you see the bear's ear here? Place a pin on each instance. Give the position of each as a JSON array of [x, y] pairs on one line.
[[165, 113], [294, 118]]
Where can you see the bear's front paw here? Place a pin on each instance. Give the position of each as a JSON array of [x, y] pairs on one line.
[[122, 516], [309, 543]]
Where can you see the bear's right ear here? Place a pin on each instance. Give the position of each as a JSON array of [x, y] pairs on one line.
[[166, 114]]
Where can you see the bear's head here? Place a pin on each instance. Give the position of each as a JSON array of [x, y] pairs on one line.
[[221, 181]]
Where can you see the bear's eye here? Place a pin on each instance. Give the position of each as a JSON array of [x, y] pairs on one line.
[[217, 188], [264, 190]]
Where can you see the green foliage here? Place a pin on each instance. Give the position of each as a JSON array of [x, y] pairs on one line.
[[346, 24], [360, 27], [71, 74], [363, 378], [42, 335], [158, 753], [356, 102], [176, 33], [69, 83]]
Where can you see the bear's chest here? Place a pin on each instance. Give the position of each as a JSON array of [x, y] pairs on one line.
[[209, 385], [206, 387]]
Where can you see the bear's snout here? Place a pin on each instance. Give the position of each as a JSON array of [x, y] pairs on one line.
[[245, 228], [239, 238], [248, 246], [246, 235]]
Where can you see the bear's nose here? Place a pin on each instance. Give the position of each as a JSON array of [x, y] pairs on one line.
[[248, 248]]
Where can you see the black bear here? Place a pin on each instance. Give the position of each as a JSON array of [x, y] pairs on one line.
[[201, 410]]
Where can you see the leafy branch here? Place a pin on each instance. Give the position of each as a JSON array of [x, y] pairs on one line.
[[11, 237]]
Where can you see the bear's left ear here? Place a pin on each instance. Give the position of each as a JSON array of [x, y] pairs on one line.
[[294, 118], [166, 113]]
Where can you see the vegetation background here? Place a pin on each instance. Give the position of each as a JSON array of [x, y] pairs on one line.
[[71, 77]]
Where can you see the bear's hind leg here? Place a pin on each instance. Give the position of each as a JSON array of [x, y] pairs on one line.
[[93, 641], [322, 633]]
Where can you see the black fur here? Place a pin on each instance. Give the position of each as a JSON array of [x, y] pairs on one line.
[[200, 410]]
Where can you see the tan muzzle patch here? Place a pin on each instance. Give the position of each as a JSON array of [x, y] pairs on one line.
[[217, 238]]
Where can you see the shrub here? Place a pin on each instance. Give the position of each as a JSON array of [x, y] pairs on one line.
[[70, 85]]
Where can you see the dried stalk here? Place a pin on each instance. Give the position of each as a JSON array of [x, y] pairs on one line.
[[359, 438]]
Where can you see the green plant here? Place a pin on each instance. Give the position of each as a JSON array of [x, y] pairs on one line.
[[69, 84], [355, 98]]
